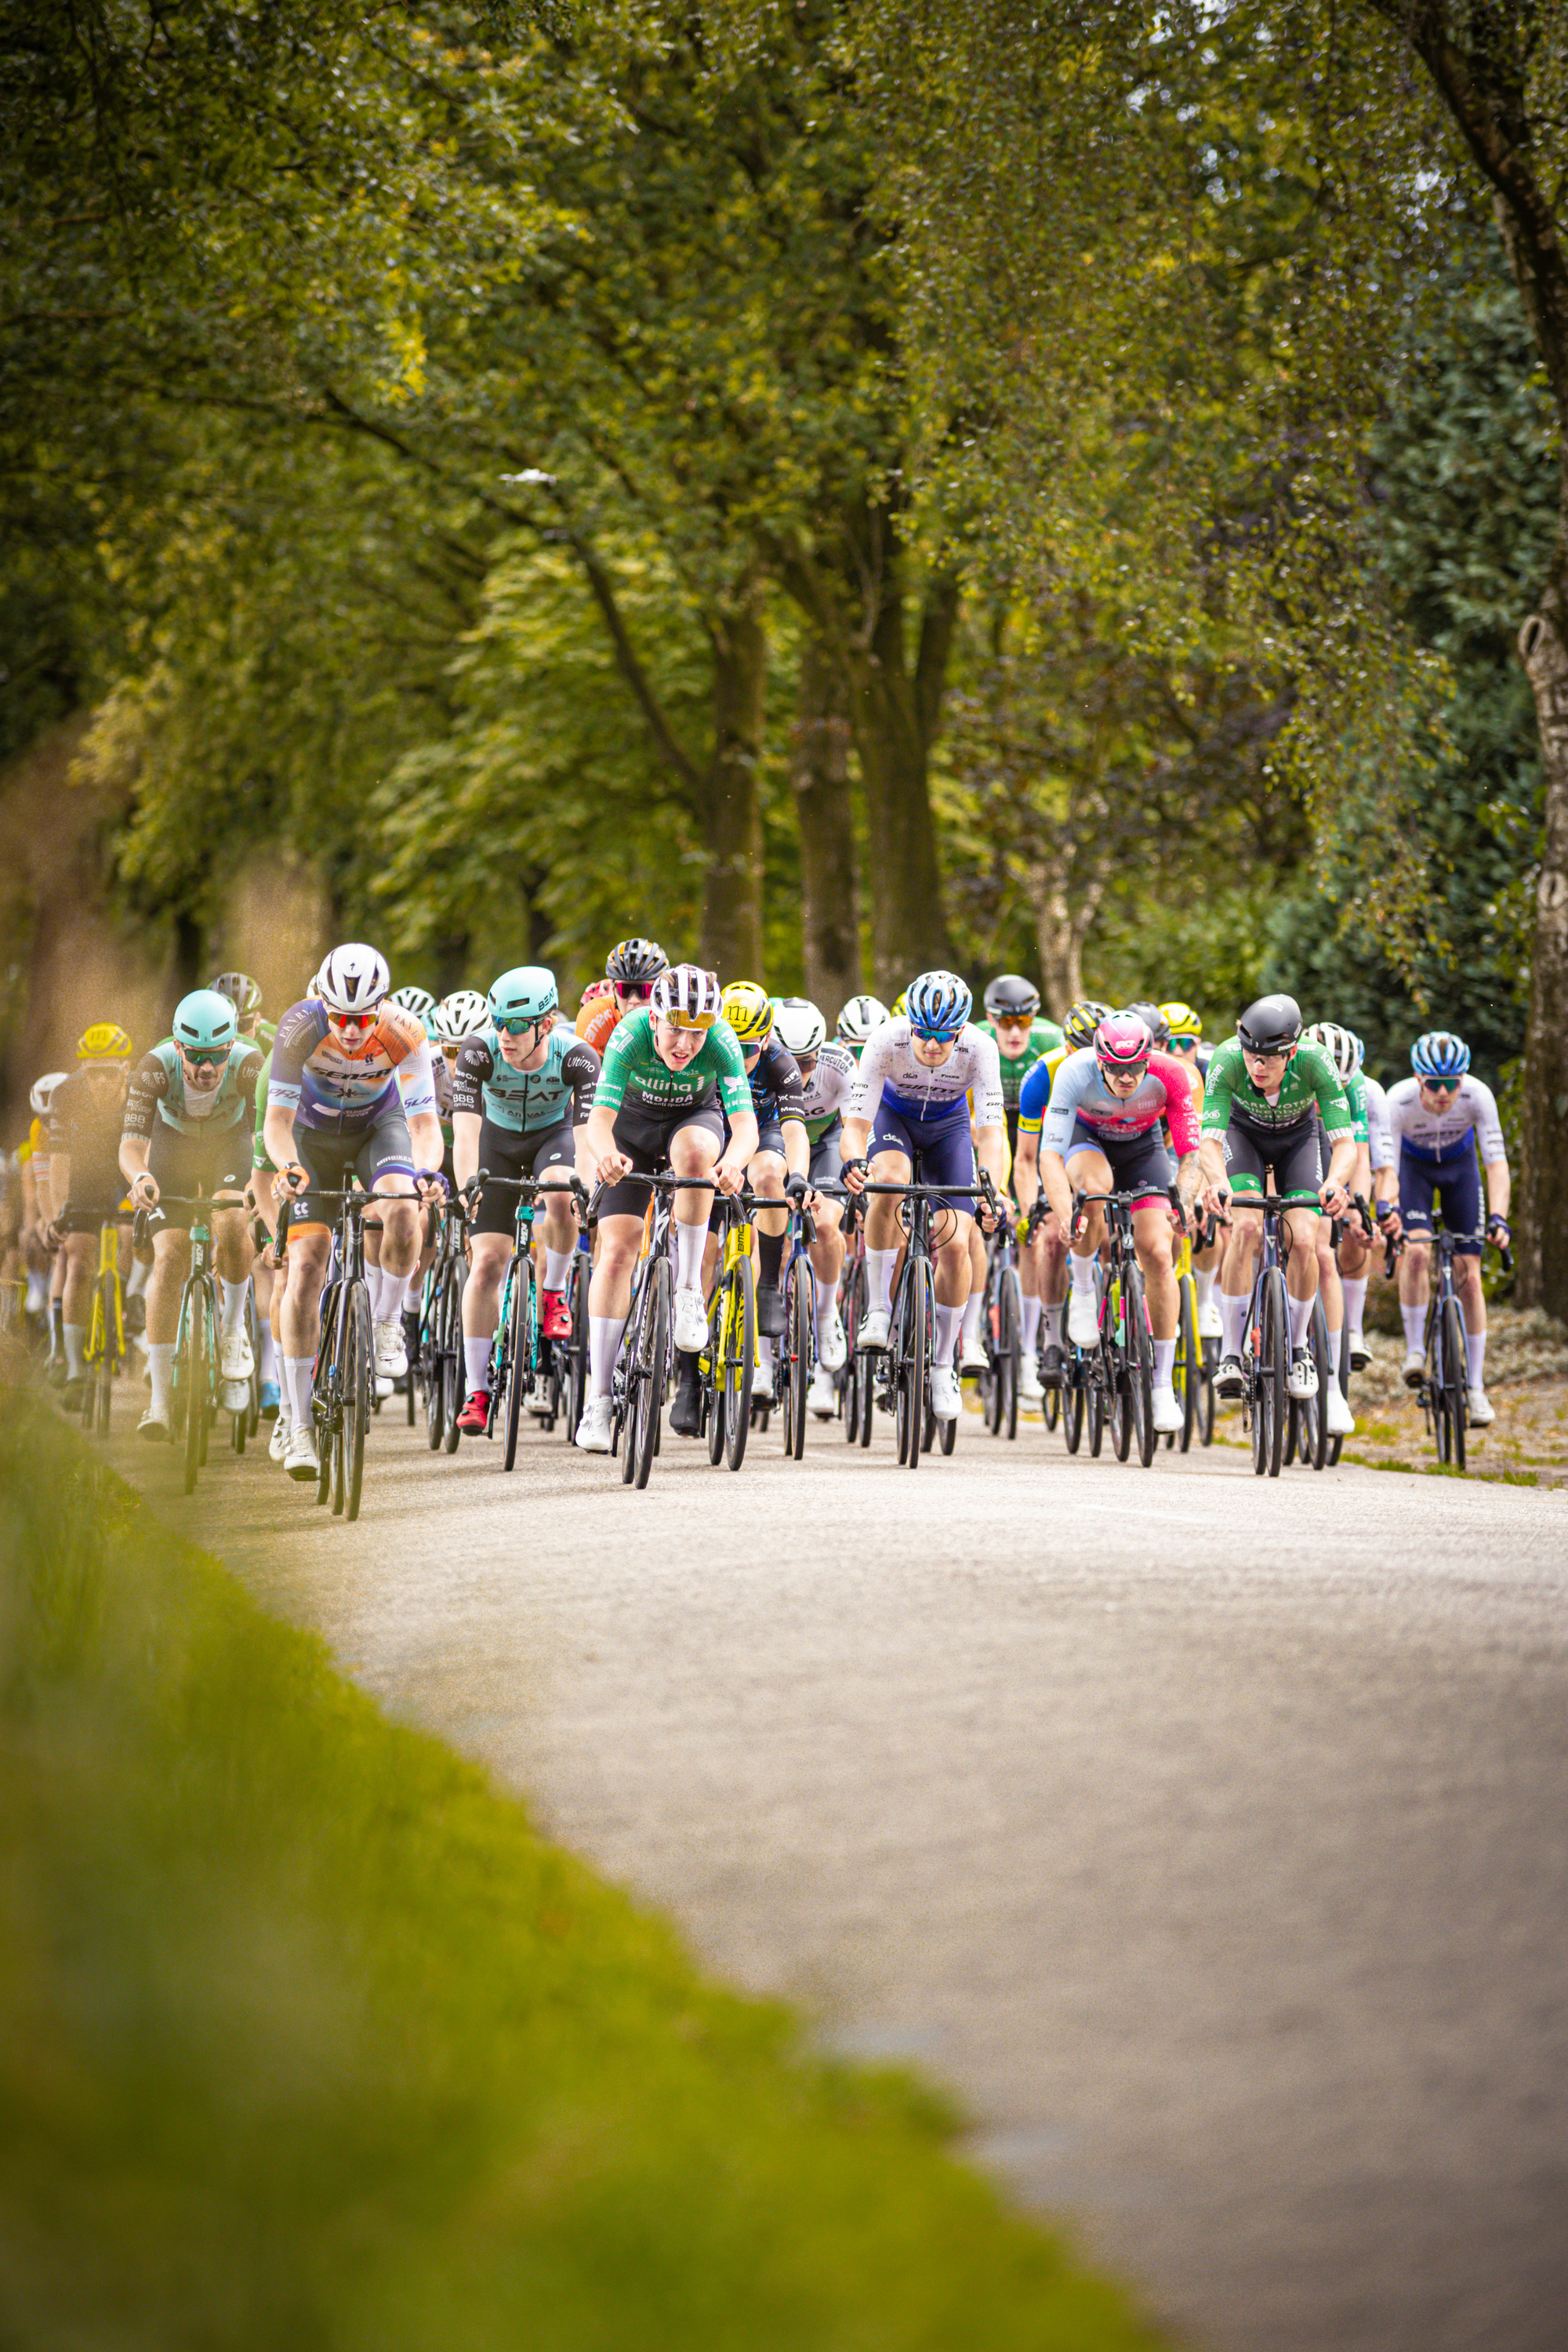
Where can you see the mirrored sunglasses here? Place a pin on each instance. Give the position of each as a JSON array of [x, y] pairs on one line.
[[202, 1057]]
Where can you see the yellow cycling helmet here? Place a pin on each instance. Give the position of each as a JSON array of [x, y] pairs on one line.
[[105, 1041], [1184, 1021], [899, 1004], [749, 1010]]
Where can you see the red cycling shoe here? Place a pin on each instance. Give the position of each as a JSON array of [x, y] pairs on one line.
[[475, 1415], [556, 1319]]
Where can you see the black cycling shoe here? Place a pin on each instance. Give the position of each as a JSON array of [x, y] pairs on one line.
[[1051, 1369], [769, 1310], [686, 1411]]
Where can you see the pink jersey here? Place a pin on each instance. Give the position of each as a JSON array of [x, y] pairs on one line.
[[1079, 1093]]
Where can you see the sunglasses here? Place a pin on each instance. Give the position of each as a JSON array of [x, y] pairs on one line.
[[203, 1057], [633, 991], [355, 1020], [1443, 1086], [525, 1028]]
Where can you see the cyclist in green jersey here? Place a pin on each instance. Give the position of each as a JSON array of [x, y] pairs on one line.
[[1269, 1101]]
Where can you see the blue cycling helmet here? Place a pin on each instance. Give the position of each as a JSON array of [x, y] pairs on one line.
[[526, 993], [1440, 1054], [205, 1020], [937, 1005]]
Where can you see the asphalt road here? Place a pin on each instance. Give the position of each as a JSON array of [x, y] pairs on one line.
[[1207, 1836]]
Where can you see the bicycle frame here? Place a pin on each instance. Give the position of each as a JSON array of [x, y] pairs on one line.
[[1126, 1334], [903, 1380]]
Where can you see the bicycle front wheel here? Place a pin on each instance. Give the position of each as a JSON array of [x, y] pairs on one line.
[[1274, 1367], [910, 1373], [359, 1388], [648, 1370], [1140, 1362], [1009, 1350], [797, 1363], [1454, 1383], [1189, 1359], [576, 1382], [193, 1361], [509, 1357], [451, 1364], [1315, 1420], [1072, 1412], [740, 1328]]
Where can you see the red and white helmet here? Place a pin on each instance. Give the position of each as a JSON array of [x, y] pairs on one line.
[[353, 978], [689, 996], [1122, 1042]]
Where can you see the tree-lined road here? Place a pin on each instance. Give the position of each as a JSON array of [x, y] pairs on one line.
[[1207, 1836]]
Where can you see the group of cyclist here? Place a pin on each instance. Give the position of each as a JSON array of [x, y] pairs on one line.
[[664, 1072]]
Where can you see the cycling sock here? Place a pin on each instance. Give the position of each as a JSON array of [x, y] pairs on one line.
[[1475, 1358], [477, 1362], [297, 1371], [1301, 1317], [37, 1292], [604, 1338], [973, 1305], [555, 1264], [765, 1352], [827, 1297], [1354, 1288], [1414, 1321], [689, 1242], [160, 1364], [269, 1366], [1233, 1317], [233, 1314], [879, 1277], [136, 1281], [1205, 1282], [770, 1256], [948, 1319], [394, 1291], [1031, 1324], [1082, 1272], [1164, 1363], [75, 1338], [1051, 1316]]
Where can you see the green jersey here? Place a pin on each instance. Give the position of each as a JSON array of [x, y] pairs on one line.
[[1310, 1084], [633, 1075], [1355, 1094], [1044, 1038]]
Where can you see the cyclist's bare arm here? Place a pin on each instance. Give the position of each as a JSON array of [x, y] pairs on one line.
[[1027, 1171]]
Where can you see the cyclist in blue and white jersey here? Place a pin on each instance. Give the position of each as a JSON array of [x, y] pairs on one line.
[[827, 1070], [911, 1098], [1437, 1120]]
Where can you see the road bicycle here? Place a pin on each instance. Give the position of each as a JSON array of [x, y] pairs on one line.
[[104, 1351], [343, 1388], [903, 1378], [437, 1359], [795, 1351], [641, 1376], [856, 1381], [519, 1355], [1444, 1389], [1266, 1342], [1002, 1331], [195, 1373], [1126, 1337], [728, 1366], [1193, 1371]]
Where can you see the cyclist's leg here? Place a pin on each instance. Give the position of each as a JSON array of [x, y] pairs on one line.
[[504, 1152], [767, 1174], [1462, 1215], [1088, 1171], [890, 1157], [1417, 1188], [385, 1166], [327, 1160], [972, 1354], [1245, 1175], [826, 1252], [693, 1150], [555, 1235]]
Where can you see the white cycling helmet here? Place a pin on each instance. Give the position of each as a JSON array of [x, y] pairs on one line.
[[799, 1025], [462, 1014], [1342, 1046], [858, 1018], [44, 1091], [689, 996], [418, 1000], [353, 978]]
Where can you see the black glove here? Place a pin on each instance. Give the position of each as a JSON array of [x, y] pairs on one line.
[[797, 1188]]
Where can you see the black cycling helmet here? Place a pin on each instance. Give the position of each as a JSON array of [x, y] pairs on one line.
[[1012, 997], [1272, 1025], [1154, 1020], [242, 993], [1083, 1019], [635, 963]]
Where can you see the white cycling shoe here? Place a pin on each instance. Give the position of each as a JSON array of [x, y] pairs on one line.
[[1167, 1412], [1029, 1389], [391, 1352], [278, 1443], [594, 1429], [1477, 1409], [1336, 1408], [944, 1396], [831, 1348], [1415, 1370], [973, 1360], [690, 1322], [821, 1397], [235, 1359], [875, 1325], [1302, 1379], [301, 1460], [1083, 1318], [1211, 1323]]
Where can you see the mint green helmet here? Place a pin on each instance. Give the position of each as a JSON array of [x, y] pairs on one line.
[[527, 993], [205, 1020]]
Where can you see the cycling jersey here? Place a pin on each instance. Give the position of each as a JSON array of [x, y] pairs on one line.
[[890, 1072], [158, 1094], [1044, 1038], [1379, 1137], [633, 1075], [828, 1090], [86, 1121], [337, 1088], [775, 1084], [1311, 1085], [528, 1102], [1467, 1118], [1078, 1099], [597, 1024]]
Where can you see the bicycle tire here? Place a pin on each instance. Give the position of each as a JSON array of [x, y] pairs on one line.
[[1072, 1415], [911, 1376], [430, 1359], [359, 1388], [451, 1363], [1455, 1379], [1010, 1364], [1095, 1401], [193, 1364], [576, 1381], [1210, 1359], [1316, 1422], [113, 1349], [1275, 1363], [1189, 1359], [653, 1358], [322, 1395], [506, 1385], [1118, 1372], [741, 1359], [1051, 1403], [339, 1469], [1140, 1362], [797, 1337]]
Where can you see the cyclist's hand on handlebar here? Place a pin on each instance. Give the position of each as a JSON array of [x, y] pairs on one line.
[[295, 1178], [796, 1189], [430, 1183], [612, 1167], [144, 1190], [1336, 1200], [727, 1177], [854, 1174], [1498, 1230]]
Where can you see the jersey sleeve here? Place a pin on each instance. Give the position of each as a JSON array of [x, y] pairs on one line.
[[1220, 1081], [1067, 1093], [1488, 1125], [782, 1073], [299, 1032], [1379, 1136], [1337, 1121], [610, 1092], [1356, 1096], [470, 1071], [1033, 1095], [871, 1072], [580, 1067], [1181, 1111], [985, 1091], [417, 1083], [735, 1086], [149, 1083]]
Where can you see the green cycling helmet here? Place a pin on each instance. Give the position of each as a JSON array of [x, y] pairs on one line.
[[205, 1020], [527, 993]]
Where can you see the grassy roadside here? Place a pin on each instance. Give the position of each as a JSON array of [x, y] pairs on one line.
[[305, 2039]]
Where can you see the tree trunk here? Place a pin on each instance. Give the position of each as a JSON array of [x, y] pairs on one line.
[[731, 925], [1060, 930], [1543, 1177], [819, 772]]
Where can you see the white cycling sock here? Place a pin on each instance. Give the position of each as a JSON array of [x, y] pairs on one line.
[[136, 1281], [1354, 1288], [1475, 1356], [555, 1264], [1204, 1279], [690, 1243], [1031, 1324], [879, 1277], [947, 1320], [604, 1338], [233, 1311], [75, 1338], [971, 1310], [1233, 1317], [1414, 1321], [298, 1372], [1301, 1317], [394, 1291], [1164, 1363], [160, 1364], [827, 1297], [765, 1352], [37, 1292], [1083, 1271], [1051, 1316], [477, 1364], [267, 1369]]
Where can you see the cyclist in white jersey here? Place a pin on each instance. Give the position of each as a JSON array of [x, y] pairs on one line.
[[912, 1094], [827, 1080], [1437, 1120]]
